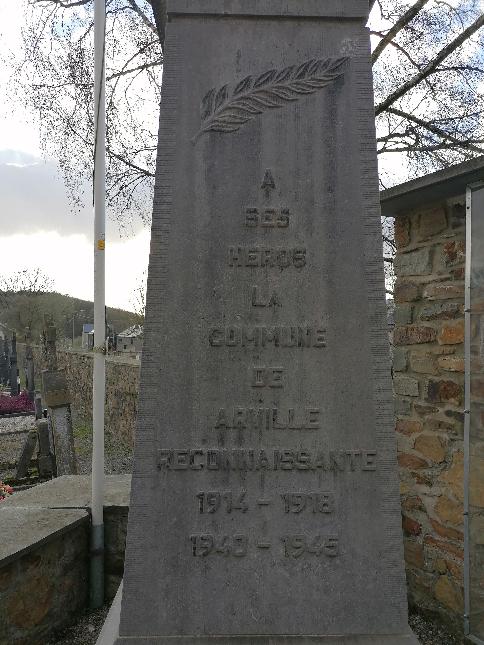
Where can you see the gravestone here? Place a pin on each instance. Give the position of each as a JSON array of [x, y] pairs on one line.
[[46, 460], [29, 366], [14, 384], [26, 454], [265, 505], [56, 396], [4, 362]]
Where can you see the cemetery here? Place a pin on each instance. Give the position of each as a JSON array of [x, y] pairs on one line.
[[261, 462]]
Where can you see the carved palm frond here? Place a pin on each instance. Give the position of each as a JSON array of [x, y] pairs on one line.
[[253, 95]]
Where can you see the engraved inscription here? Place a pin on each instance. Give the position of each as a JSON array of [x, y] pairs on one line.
[[229, 545], [297, 545], [254, 257], [293, 546], [213, 501], [337, 461], [262, 377], [268, 182], [311, 502], [222, 111], [260, 300], [266, 336], [267, 218], [268, 419]]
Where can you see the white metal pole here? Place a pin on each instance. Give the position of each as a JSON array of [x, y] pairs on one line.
[[98, 387]]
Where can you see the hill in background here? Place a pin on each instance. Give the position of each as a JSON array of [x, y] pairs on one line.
[[26, 309]]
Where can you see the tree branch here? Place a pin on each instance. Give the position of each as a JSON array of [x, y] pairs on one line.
[[159, 14], [407, 17], [62, 3], [431, 66], [397, 46], [436, 130], [134, 69], [143, 16]]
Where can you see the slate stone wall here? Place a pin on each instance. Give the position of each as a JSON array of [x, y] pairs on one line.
[[122, 383], [45, 589], [429, 396]]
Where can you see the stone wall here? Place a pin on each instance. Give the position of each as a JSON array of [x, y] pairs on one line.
[[122, 382], [429, 397], [44, 555], [45, 587]]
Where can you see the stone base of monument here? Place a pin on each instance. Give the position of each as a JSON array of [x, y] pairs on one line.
[[408, 639], [110, 636]]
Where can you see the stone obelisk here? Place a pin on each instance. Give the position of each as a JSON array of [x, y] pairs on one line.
[[265, 505]]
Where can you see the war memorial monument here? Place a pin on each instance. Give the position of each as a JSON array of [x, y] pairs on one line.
[[265, 506]]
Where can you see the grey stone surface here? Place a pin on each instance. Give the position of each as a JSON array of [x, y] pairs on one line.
[[26, 455], [440, 311], [414, 263], [403, 314], [54, 388], [400, 359], [385, 639], [282, 8], [46, 460], [406, 386], [265, 502], [72, 491], [402, 406], [23, 529], [63, 437], [38, 405]]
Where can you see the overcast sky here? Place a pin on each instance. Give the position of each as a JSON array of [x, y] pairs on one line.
[[38, 228]]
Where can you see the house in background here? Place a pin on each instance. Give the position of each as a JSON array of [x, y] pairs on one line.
[[87, 335], [131, 340]]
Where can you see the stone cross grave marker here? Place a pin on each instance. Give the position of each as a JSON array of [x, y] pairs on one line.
[[265, 506]]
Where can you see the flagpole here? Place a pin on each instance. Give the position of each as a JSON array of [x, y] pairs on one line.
[[99, 371]]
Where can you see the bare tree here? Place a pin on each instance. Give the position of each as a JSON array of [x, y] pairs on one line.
[[26, 280], [138, 300], [20, 298], [427, 62], [428, 69]]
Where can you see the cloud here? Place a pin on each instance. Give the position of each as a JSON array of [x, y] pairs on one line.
[[33, 199], [68, 260]]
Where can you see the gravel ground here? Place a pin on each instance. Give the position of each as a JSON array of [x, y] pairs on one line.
[[16, 424], [430, 632], [87, 629]]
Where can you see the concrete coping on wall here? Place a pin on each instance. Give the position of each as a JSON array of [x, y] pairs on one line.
[[25, 529], [436, 186], [72, 492], [34, 516]]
